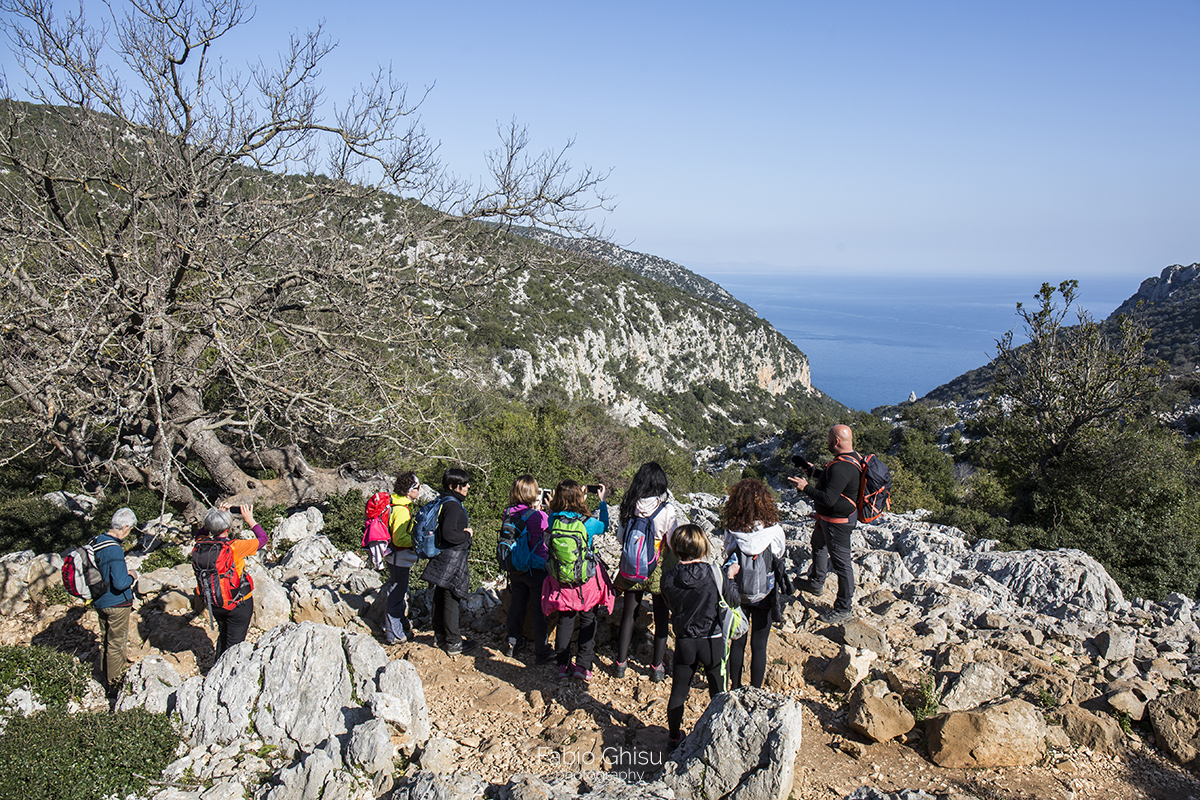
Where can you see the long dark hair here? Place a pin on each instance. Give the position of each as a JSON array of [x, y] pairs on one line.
[[650, 481]]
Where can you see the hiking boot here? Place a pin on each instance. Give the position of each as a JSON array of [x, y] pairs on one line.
[[621, 667], [836, 617], [658, 673], [584, 675], [808, 588], [564, 671], [510, 647], [543, 658], [674, 741], [465, 646]]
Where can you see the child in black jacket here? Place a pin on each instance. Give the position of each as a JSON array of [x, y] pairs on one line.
[[691, 592]]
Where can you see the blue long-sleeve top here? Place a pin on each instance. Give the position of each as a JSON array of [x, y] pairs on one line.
[[110, 560]]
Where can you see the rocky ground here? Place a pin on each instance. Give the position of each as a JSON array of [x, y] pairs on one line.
[[973, 626]]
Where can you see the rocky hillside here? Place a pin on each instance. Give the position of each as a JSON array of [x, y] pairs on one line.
[[677, 354], [968, 672], [644, 264]]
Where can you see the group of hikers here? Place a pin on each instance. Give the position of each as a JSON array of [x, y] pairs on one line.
[[714, 605]]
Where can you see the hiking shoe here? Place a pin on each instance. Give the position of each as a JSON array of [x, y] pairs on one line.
[[564, 671], [674, 741], [584, 675], [835, 617], [510, 647], [808, 588], [621, 667], [658, 673], [465, 646]]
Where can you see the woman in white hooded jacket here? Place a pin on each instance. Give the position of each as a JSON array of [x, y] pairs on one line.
[[646, 501], [753, 540]]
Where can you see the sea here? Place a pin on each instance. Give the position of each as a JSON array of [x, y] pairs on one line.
[[871, 340]]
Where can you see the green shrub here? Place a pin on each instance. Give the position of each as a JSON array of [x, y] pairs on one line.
[[345, 516], [168, 556], [53, 676], [31, 523], [50, 755]]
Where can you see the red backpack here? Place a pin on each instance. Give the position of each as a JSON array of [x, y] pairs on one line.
[[217, 578], [379, 508]]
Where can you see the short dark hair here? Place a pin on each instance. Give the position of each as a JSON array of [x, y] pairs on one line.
[[455, 477]]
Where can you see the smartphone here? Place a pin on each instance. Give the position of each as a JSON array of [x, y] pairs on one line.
[[235, 510], [592, 488], [803, 464], [546, 495]]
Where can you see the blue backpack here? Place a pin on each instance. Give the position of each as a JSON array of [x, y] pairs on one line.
[[425, 527], [514, 551], [639, 555]]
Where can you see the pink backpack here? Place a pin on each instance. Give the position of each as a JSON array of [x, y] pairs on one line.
[[379, 507]]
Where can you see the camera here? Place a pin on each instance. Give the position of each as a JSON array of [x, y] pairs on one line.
[[592, 488], [803, 465], [235, 510]]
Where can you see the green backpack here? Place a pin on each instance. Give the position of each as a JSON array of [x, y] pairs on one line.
[[572, 562]]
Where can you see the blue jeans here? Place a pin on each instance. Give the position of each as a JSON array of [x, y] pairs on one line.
[[396, 626]]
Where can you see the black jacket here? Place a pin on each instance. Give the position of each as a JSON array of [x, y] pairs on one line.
[[691, 594], [838, 484], [450, 569]]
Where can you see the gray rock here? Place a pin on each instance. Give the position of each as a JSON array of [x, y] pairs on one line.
[[81, 505], [878, 713], [309, 554], [462, 786], [150, 684], [401, 700], [299, 527], [743, 747], [1116, 644], [14, 584], [1176, 721], [1098, 732], [438, 756], [1057, 583], [975, 685], [272, 606], [319, 776], [292, 686], [871, 793], [597, 786], [861, 634], [1131, 697], [849, 666], [371, 747], [1009, 733], [42, 572]]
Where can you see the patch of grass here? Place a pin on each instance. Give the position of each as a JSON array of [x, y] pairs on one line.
[[1124, 720], [1046, 698], [49, 755], [53, 676], [56, 595]]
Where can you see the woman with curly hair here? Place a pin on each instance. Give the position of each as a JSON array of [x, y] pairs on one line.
[[753, 540]]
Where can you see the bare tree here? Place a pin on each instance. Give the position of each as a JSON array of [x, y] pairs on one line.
[[202, 266]]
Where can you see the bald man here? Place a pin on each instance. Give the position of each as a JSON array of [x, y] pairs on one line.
[[835, 500]]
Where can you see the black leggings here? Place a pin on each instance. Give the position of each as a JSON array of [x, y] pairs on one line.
[[662, 619], [233, 624], [760, 631], [689, 654]]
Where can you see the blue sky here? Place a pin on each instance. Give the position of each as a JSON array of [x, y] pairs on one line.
[[1026, 137], [1049, 139]]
